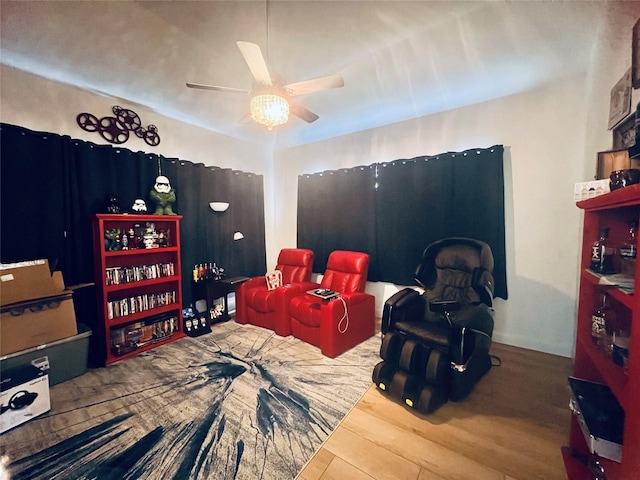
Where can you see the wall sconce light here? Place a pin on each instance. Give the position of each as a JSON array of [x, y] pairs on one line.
[[238, 236], [219, 206]]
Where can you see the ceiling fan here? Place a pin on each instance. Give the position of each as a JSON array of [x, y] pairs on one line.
[[263, 103]]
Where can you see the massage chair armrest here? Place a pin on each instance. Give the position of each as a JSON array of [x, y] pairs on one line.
[[476, 317], [406, 305], [470, 335]]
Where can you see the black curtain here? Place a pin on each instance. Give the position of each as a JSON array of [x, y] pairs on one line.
[[410, 203], [52, 185], [335, 212]]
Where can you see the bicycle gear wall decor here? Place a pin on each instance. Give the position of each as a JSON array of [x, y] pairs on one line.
[[116, 129]]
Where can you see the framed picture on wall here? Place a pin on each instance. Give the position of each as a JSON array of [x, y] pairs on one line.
[[624, 134], [620, 105], [635, 56]]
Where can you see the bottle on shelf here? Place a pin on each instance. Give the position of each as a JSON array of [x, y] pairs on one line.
[[620, 351], [603, 320], [602, 254], [628, 249]]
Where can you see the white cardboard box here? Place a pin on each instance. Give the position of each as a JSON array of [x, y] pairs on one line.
[[585, 190], [24, 394]]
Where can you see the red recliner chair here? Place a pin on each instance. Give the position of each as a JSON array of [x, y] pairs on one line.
[[337, 324], [256, 303]]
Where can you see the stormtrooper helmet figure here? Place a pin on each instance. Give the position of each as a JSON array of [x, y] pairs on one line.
[[163, 196], [162, 184], [139, 206]]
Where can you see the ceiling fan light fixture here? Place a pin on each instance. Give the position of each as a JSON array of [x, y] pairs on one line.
[[269, 110]]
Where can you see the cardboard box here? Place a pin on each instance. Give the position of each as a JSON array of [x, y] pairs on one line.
[[585, 190], [35, 307], [612, 160], [24, 394], [23, 281], [62, 360], [30, 324]]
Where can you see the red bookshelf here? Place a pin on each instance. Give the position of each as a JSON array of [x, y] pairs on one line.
[[139, 289]]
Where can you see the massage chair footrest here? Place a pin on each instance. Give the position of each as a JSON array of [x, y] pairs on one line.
[[409, 389], [416, 358]]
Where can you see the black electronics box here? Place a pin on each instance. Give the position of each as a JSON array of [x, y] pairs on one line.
[[600, 416]]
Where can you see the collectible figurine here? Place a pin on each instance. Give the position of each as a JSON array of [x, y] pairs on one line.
[[162, 239], [149, 242], [139, 206], [112, 203], [124, 240], [163, 196], [111, 239], [150, 236]]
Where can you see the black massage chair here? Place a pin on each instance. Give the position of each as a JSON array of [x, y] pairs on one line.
[[435, 344]]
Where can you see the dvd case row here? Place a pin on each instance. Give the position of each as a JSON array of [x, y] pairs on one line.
[[130, 337], [118, 275], [139, 303]]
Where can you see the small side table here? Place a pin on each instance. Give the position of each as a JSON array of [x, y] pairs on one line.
[[214, 290]]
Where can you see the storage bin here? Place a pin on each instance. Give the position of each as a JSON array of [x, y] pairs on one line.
[[62, 360]]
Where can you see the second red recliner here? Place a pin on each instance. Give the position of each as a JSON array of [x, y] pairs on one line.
[[334, 325]]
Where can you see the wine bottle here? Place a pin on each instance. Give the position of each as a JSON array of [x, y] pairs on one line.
[[602, 254], [628, 249], [603, 320]]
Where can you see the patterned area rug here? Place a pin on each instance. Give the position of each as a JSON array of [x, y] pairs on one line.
[[240, 403]]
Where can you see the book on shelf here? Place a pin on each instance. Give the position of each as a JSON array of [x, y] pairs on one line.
[[139, 303], [138, 273]]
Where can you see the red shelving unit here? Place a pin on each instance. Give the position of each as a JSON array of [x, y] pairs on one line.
[[139, 289], [614, 210]]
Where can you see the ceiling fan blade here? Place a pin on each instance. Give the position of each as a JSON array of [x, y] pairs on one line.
[[302, 113], [220, 89], [315, 85], [253, 56]]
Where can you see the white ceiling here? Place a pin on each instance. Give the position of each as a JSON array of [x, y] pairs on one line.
[[399, 60]]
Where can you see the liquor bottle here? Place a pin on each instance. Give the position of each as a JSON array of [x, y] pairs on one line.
[[629, 248], [602, 254], [603, 320]]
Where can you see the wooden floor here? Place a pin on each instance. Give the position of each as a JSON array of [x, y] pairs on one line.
[[511, 427]]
